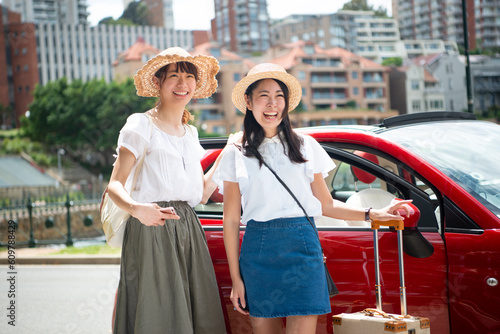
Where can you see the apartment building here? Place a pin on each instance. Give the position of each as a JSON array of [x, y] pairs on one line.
[[18, 67], [485, 72], [84, 52], [50, 11], [487, 24], [360, 32], [415, 89], [450, 72], [241, 25], [443, 19], [327, 31], [160, 13]]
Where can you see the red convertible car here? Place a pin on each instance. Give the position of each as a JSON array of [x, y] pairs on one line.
[[448, 163]]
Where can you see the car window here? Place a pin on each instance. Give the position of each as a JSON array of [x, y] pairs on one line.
[[358, 185], [372, 179], [465, 151]]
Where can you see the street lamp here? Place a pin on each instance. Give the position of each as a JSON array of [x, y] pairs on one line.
[[470, 101], [60, 152]]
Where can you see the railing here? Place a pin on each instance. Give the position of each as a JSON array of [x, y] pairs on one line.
[[39, 222]]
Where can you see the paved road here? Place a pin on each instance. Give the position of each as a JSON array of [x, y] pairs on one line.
[[58, 299]]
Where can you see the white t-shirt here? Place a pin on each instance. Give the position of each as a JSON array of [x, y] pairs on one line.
[[171, 170], [263, 197]]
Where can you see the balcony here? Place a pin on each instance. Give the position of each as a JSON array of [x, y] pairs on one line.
[[328, 78], [373, 78], [329, 96]]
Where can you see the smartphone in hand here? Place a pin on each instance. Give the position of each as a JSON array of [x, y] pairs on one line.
[[169, 210]]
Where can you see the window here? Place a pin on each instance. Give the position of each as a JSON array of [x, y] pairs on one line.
[[415, 85], [415, 105], [302, 75], [436, 104], [355, 91], [354, 75], [304, 91], [236, 77]]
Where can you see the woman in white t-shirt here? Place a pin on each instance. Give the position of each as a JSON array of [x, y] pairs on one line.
[[279, 271], [167, 282]]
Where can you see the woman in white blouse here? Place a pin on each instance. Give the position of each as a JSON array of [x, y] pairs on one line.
[[167, 282], [279, 272]]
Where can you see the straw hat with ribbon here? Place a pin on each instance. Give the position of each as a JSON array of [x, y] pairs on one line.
[[267, 71], [207, 67]]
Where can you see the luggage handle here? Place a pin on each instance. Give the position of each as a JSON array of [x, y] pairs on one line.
[[372, 311], [399, 226]]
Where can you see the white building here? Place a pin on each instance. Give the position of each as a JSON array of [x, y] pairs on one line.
[[84, 52], [450, 72], [50, 11], [360, 32], [414, 89]]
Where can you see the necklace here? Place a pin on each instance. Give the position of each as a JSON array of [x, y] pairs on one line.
[[165, 126], [161, 128]]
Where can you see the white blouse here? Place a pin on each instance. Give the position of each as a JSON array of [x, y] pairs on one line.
[[171, 170], [263, 197]]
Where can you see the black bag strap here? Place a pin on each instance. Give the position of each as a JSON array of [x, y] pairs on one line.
[[289, 191], [291, 194]]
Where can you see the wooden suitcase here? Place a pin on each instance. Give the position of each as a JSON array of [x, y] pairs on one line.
[[375, 321]]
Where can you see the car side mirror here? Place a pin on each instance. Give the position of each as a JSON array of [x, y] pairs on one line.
[[414, 243]]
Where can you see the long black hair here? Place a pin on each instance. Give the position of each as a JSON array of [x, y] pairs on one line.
[[253, 133]]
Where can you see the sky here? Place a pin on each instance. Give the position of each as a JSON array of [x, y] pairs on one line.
[[196, 14]]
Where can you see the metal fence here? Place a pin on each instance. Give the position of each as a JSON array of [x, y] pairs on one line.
[[51, 220]]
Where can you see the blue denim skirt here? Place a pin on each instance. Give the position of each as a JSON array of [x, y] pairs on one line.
[[282, 267]]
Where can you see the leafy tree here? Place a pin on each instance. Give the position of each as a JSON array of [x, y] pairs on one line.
[[135, 14], [120, 21], [351, 104], [362, 5], [83, 118], [393, 61], [6, 114]]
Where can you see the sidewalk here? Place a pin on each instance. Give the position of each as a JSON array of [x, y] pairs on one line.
[[46, 256]]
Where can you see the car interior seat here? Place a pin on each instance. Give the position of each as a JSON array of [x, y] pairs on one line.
[[370, 197]]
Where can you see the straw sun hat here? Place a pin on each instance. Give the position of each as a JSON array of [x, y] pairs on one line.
[[207, 67], [267, 71]]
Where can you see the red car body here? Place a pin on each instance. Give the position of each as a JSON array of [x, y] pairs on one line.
[[455, 286]]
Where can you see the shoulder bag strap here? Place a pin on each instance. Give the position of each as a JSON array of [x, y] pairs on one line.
[[139, 164], [291, 194], [289, 191]]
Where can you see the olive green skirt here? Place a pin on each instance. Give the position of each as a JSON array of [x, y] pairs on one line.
[[167, 281]]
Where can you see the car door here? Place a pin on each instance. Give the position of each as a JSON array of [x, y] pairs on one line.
[[349, 247], [474, 271]]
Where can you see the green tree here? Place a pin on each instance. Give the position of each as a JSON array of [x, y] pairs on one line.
[[135, 14], [351, 104], [362, 5], [83, 118], [393, 61], [7, 115]]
